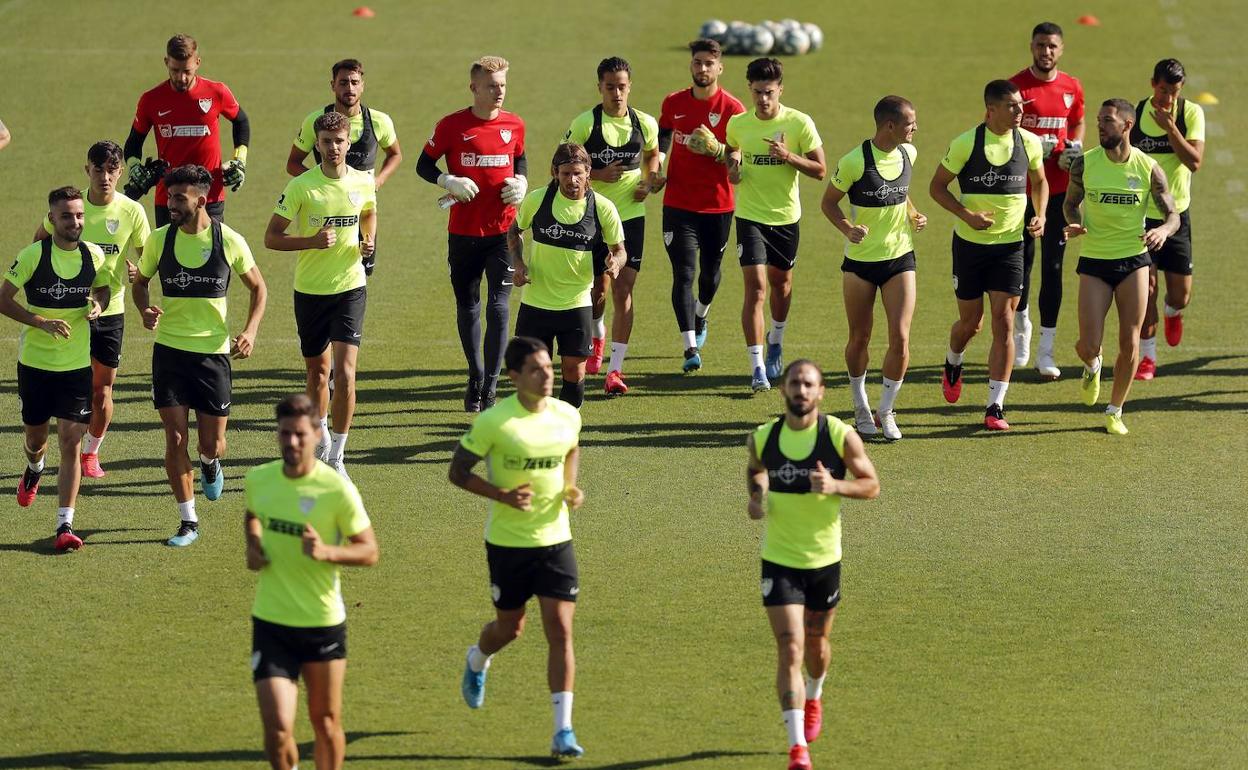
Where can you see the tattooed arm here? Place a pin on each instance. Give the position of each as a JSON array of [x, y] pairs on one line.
[[756, 482], [1074, 197], [1156, 238]]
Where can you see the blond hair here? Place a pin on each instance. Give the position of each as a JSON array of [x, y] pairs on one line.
[[489, 64]]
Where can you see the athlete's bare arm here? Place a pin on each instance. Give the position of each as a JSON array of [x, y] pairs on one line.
[[939, 190], [294, 161], [5, 136], [831, 206], [462, 476], [1039, 200], [865, 484], [515, 248], [572, 494], [1155, 238], [245, 342], [755, 481], [394, 159], [1074, 198]]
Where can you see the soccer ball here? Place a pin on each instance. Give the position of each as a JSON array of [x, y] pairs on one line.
[[790, 23], [773, 27], [793, 42], [714, 29], [815, 34], [761, 41], [738, 38]]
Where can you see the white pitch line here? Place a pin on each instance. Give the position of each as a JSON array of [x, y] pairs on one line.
[[1181, 41], [1174, 21], [1224, 157], [1234, 186], [1215, 129], [1242, 214], [1169, 3], [1199, 80]]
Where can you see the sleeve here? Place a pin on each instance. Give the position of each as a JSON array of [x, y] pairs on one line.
[[237, 252], [808, 138], [579, 130], [306, 138], [958, 154], [439, 141], [383, 127], [1035, 150], [290, 201], [142, 123], [229, 105], [1195, 118], [609, 221], [665, 115], [22, 268], [141, 230], [1076, 106], [481, 436], [103, 275], [151, 254], [249, 499], [912, 151], [731, 136], [370, 195], [574, 417], [848, 170], [649, 132], [352, 519], [528, 207]]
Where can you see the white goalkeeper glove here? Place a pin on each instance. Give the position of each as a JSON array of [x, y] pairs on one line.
[[463, 188], [514, 190], [1049, 142], [1074, 149]]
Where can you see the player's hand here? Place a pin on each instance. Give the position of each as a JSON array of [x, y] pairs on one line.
[[514, 190], [143, 177], [325, 238], [1165, 120], [312, 544], [1048, 144], [609, 173], [574, 497], [461, 187], [54, 326], [233, 174], [132, 272], [93, 308], [778, 149], [857, 233], [520, 274], [821, 480], [151, 316], [242, 346], [1035, 228], [979, 220], [756, 509], [657, 182], [641, 190], [734, 170], [918, 221], [1074, 231], [1074, 149], [256, 560], [1154, 239], [521, 497], [703, 142], [367, 247], [615, 262]]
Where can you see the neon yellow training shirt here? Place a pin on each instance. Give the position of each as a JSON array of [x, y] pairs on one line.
[[616, 132], [1007, 226], [1115, 197], [35, 347], [768, 191], [888, 227], [559, 278], [1178, 176], [312, 201], [114, 227], [383, 129]]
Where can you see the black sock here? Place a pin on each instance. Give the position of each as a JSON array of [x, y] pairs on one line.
[[573, 393], [468, 322]]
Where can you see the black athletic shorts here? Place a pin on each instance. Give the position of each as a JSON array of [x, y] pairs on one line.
[[42, 395], [979, 268], [773, 245], [685, 233], [879, 273], [281, 651], [634, 244], [572, 329], [201, 381], [215, 210], [516, 574], [325, 318], [468, 257], [106, 334], [819, 590], [1112, 271], [1175, 255]]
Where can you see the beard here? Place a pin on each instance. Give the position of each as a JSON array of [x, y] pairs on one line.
[[1111, 144], [799, 410]]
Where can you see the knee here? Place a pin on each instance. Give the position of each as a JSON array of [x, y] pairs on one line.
[[68, 443], [210, 447], [326, 723], [899, 342], [755, 294], [318, 376], [790, 649], [1085, 351], [278, 735], [176, 440], [858, 340], [559, 635], [511, 631], [344, 377]]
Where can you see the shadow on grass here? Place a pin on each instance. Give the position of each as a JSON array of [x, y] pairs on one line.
[[43, 547]]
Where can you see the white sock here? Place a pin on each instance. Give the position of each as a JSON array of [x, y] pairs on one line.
[[478, 661], [795, 724], [324, 432], [337, 445], [1111, 409], [996, 392], [1094, 367], [1148, 348], [1171, 312], [755, 352], [65, 516], [561, 705], [700, 310], [187, 511], [1021, 319], [690, 338], [618, 350], [207, 460], [35, 467], [1048, 336], [954, 359], [91, 444], [858, 390], [600, 328], [814, 687], [776, 335], [888, 396]]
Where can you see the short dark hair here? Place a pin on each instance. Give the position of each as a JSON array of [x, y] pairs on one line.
[[181, 47], [614, 64], [190, 174], [297, 405], [570, 152], [518, 351], [1124, 108], [764, 69], [331, 121], [104, 153], [60, 194], [799, 363], [1170, 71], [706, 45], [1046, 28], [891, 108], [998, 91], [350, 65]]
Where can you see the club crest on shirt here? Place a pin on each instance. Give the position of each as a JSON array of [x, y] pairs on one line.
[[713, 117], [505, 133], [306, 504], [111, 226], [1133, 182], [355, 197], [1068, 99], [205, 105]]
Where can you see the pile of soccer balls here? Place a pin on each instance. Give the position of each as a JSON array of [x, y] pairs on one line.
[[788, 37]]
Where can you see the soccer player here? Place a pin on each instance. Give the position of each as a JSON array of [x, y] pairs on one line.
[[880, 254], [370, 129], [1114, 256], [192, 258], [115, 224], [530, 443], [697, 197], [184, 110], [1171, 130], [993, 163], [334, 208], [303, 522], [487, 174], [1052, 110], [66, 285], [567, 218], [796, 478], [767, 149], [623, 145]]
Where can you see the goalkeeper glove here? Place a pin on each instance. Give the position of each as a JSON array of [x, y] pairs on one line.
[[143, 177], [514, 190], [1074, 149], [703, 142], [463, 188], [234, 173]]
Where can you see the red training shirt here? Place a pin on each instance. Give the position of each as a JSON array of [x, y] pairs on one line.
[[485, 151], [1053, 108], [186, 127], [695, 182]]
